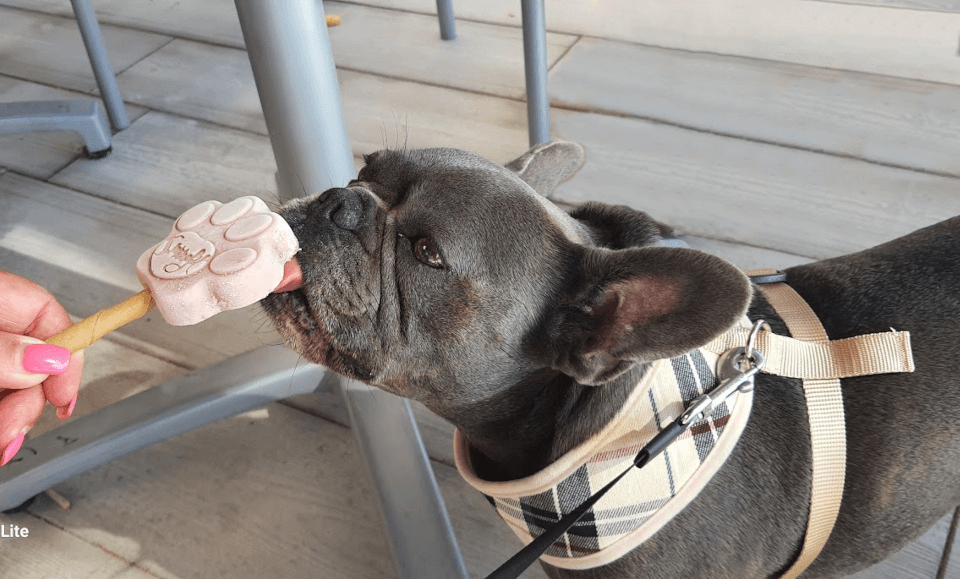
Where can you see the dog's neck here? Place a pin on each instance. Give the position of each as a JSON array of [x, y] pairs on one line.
[[534, 422]]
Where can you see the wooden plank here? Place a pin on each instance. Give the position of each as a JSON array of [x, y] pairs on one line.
[[798, 202], [880, 40], [51, 552], [49, 50], [41, 155], [934, 5], [167, 164], [886, 120], [920, 559], [84, 250], [744, 256], [484, 541], [270, 492], [950, 565], [111, 372], [212, 21], [188, 78], [178, 162], [485, 58], [202, 81], [416, 115]]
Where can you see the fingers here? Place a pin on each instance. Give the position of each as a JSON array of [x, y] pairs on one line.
[[26, 361], [61, 390], [26, 308], [28, 368], [19, 410], [31, 372]]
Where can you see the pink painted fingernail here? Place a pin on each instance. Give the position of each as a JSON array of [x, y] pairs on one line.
[[45, 359], [64, 413], [12, 449]]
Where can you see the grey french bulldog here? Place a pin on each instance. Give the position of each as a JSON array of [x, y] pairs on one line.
[[449, 279]]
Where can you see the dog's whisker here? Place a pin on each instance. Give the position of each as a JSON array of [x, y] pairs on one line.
[[383, 133], [294, 373]]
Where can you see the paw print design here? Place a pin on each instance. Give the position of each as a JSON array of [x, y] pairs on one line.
[[217, 257]]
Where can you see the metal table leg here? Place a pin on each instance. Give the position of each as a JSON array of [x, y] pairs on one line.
[[535, 64], [83, 117], [293, 67], [421, 537], [448, 24], [90, 31]]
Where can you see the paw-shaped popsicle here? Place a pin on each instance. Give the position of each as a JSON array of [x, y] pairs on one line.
[[218, 257]]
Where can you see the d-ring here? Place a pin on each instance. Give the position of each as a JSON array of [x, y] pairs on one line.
[[752, 343]]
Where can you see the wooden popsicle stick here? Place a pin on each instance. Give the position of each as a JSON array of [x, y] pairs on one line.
[[88, 331]]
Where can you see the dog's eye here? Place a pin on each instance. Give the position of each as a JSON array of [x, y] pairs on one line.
[[427, 252]]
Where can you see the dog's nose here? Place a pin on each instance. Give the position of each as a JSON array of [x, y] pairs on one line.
[[342, 206]]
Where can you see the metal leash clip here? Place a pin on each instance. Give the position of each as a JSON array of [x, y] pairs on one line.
[[735, 369]]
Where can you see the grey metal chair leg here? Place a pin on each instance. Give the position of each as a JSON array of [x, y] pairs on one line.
[[293, 67], [199, 398], [93, 40], [448, 24], [535, 64], [84, 117], [79, 116]]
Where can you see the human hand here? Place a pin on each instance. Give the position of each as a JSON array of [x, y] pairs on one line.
[[32, 372]]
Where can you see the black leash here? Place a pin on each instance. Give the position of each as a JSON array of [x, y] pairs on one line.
[[529, 554], [702, 406]]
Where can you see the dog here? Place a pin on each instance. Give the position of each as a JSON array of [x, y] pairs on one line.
[[446, 278]]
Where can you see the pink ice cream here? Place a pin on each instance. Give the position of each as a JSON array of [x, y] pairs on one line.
[[218, 257]]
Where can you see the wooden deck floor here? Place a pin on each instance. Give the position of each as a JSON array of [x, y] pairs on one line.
[[771, 133]]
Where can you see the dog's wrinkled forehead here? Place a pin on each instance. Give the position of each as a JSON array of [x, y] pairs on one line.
[[475, 190]]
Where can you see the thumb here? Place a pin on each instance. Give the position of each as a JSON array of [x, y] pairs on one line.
[[26, 361]]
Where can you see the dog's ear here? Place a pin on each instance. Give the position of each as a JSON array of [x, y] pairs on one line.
[[643, 304], [545, 166], [619, 226]]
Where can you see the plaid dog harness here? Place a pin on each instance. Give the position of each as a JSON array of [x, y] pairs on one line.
[[647, 498]]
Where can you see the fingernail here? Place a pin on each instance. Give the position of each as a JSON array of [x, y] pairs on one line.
[[12, 449], [45, 359], [65, 412]]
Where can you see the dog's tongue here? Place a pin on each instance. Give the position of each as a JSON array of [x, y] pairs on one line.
[[292, 277]]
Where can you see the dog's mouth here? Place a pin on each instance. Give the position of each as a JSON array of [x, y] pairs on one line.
[[303, 330]]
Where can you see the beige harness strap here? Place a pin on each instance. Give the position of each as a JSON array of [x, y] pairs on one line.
[[864, 355], [827, 427], [809, 354]]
